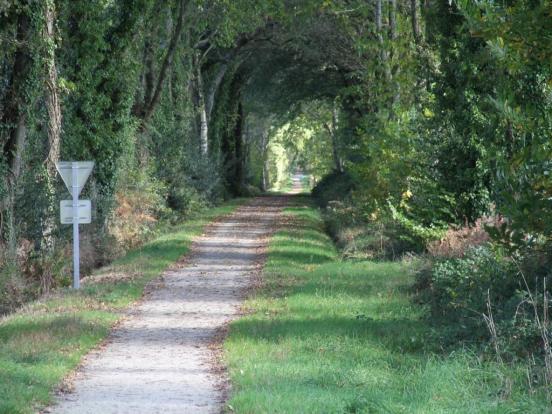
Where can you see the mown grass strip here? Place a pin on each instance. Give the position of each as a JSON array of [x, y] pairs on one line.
[[331, 336], [43, 342]]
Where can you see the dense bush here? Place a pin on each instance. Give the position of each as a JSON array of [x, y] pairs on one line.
[[389, 233], [484, 298], [358, 237], [334, 186]]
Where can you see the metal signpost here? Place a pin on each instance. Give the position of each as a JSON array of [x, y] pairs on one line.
[[75, 211]]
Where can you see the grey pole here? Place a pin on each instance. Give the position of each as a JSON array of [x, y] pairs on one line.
[[75, 193]]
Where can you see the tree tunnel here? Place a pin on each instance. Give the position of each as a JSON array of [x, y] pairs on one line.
[[434, 111], [425, 127], [273, 101]]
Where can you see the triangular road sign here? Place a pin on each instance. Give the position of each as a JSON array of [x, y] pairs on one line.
[[65, 169]]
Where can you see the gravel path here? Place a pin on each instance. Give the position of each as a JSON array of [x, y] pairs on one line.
[[158, 360]]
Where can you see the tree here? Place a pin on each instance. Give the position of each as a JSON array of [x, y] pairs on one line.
[[13, 116]]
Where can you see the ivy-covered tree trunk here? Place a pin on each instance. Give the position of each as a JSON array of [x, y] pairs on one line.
[[394, 70], [215, 85], [335, 138], [415, 21], [54, 122], [379, 34]]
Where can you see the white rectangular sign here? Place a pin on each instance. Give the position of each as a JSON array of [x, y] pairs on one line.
[[84, 211]]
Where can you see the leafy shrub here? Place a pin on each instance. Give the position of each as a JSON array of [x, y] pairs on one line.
[[414, 233], [333, 187], [362, 228], [134, 219], [460, 287], [357, 235], [184, 200], [45, 270], [140, 201], [248, 190], [203, 175], [466, 294], [361, 238], [32, 273]]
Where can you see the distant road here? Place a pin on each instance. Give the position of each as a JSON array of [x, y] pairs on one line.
[[297, 186]]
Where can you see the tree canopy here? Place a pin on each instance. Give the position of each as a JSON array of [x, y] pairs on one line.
[[438, 113]]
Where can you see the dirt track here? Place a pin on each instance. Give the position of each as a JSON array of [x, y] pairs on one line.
[[159, 359]]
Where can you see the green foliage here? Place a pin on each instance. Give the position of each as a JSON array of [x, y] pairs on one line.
[[424, 121], [99, 59], [148, 169], [13, 289], [463, 293], [140, 202], [414, 232], [279, 164], [517, 108], [334, 186], [191, 181]]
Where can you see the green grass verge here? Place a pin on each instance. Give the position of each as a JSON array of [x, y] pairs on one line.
[[43, 342], [330, 336]]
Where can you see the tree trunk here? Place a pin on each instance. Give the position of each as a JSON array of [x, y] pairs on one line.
[[239, 150], [19, 135], [264, 154], [167, 61], [203, 122], [266, 179], [428, 38], [54, 125], [379, 23], [386, 73], [14, 120], [417, 34], [415, 21], [210, 102], [332, 132], [52, 96], [395, 68], [392, 19], [335, 139], [149, 77]]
